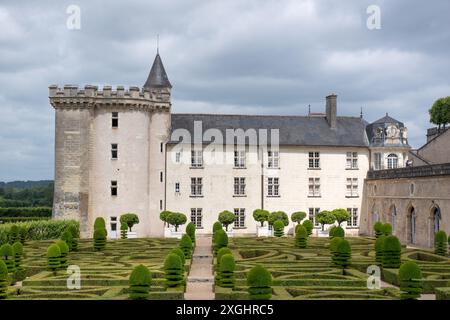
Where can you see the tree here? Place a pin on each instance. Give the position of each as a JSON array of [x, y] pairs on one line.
[[325, 217], [343, 253], [261, 216], [440, 112], [226, 270], [279, 228], [278, 215], [259, 282], [391, 252], [7, 254], [130, 219], [301, 236], [298, 216], [176, 219], [163, 216], [226, 218], [173, 270], [308, 226], [140, 281], [190, 231], [440, 243], [410, 278], [341, 215]]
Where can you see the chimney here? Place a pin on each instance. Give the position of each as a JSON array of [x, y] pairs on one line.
[[331, 110]]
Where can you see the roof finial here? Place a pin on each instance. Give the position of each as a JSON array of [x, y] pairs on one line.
[[387, 115], [309, 109], [157, 43], [361, 114]]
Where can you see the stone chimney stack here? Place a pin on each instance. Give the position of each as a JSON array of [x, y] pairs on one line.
[[331, 110]]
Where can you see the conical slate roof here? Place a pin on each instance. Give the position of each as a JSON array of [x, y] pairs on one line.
[[158, 76]]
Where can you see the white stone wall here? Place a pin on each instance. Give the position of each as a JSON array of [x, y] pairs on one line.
[[293, 173]]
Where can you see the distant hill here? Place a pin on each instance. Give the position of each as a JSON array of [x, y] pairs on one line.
[[25, 184]]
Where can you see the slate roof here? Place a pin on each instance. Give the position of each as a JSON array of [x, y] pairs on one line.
[[158, 76], [381, 123], [293, 130]]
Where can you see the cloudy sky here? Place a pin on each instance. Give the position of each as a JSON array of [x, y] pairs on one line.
[[233, 56]]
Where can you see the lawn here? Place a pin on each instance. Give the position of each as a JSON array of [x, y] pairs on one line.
[[308, 273], [104, 274]]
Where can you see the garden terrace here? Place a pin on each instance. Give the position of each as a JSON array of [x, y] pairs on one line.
[[308, 273], [104, 274]]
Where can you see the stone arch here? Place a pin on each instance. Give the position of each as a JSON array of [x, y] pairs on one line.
[[411, 224]]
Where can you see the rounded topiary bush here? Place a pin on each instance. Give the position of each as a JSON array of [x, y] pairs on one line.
[[99, 239], [190, 231], [14, 234], [379, 248], [391, 252], [336, 231], [278, 227], [301, 236], [217, 226], [75, 233], [259, 282], [334, 244], [53, 257], [140, 281], [64, 249], [173, 270], [68, 239], [99, 223], [378, 228], [222, 251], [226, 270], [7, 254], [410, 278], [308, 226], [179, 253], [123, 231], [342, 256], [186, 246], [3, 280], [387, 229], [440, 243], [221, 240]]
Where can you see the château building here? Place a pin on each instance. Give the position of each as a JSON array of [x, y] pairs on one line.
[[123, 150]]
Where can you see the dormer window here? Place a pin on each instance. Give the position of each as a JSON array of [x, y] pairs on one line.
[[392, 161]]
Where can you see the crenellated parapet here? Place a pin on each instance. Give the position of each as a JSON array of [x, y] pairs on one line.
[[72, 97]]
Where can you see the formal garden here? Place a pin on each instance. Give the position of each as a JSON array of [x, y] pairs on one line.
[[47, 260]]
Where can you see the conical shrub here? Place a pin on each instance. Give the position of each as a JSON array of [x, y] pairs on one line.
[[379, 247], [410, 277], [301, 236], [259, 283], [14, 234], [278, 227], [222, 251], [179, 253], [173, 270], [391, 252], [186, 246], [378, 228], [64, 249], [226, 270], [308, 226], [3, 280], [75, 233], [336, 231], [190, 231], [140, 281], [23, 234], [68, 239], [334, 244], [7, 254], [221, 241], [123, 231], [99, 239], [440, 243], [53, 257], [18, 253], [342, 256]]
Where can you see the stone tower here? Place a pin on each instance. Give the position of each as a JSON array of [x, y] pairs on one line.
[[110, 152]]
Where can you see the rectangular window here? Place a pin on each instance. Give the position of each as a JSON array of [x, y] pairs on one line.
[[314, 160], [114, 188], [314, 187], [352, 187], [114, 151], [377, 161], [160, 204], [177, 187], [196, 158], [239, 158], [196, 187], [196, 217], [239, 186], [312, 216], [161, 176], [239, 221], [115, 120], [353, 220], [352, 160], [113, 224], [273, 160], [177, 157], [273, 186]]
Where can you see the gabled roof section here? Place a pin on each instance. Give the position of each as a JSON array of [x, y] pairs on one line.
[[158, 76], [293, 130], [388, 119]]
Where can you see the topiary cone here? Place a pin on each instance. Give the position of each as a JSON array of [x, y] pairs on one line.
[[140, 281]]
